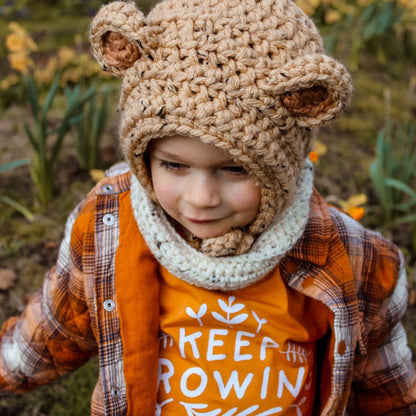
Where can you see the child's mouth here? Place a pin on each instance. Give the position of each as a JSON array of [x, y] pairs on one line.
[[197, 221]]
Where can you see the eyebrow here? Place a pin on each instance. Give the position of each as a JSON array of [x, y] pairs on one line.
[[161, 153]]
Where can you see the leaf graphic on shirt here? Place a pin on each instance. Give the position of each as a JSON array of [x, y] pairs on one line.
[[296, 352], [164, 339], [159, 406], [297, 406], [220, 318], [243, 413], [260, 321], [269, 412], [238, 319], [199, 315], [192, 408], [229, 309]]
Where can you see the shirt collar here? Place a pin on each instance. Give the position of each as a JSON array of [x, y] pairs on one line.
[[314, 244]]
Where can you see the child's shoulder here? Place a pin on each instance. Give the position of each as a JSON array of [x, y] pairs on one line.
[[353, 234], [116, 181], [373, 258]]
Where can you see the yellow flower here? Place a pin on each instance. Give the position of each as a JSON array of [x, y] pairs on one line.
[[31, 45], [16, 28], [319, 148], [409, 5], [352, 206], [8, 82], [66, 56], [19, 39], [71, 76], [47, 74], [90, 68], [308, 6], [21, 61], [332, 16], [96, 174], [15, 43], [20, 45]]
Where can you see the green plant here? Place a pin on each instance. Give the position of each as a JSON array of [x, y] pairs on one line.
[[9, 201], [46, 153], [393, 173], [369, 24], [90, 128], [375, 25]]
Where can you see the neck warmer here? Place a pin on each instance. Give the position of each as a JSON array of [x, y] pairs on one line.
[[228, 272]]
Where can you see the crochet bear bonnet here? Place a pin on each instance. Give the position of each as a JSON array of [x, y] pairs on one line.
[[247, 76]]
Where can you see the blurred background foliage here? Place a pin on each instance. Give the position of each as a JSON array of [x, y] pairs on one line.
[[58, 132]]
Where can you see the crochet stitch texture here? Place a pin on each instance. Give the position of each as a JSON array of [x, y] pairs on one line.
[[249, 77]]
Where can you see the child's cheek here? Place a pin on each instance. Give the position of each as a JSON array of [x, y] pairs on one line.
[[246, 196], [168, 193]]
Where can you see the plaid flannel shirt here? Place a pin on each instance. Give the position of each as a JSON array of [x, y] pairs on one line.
[[367, 365]]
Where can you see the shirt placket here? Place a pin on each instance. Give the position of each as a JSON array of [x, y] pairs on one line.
[[110, 344]]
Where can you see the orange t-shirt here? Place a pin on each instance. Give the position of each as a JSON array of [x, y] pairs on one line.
[[245, 352]]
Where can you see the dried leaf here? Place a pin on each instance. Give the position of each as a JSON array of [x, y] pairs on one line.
[[7, 279], [412, 296], [50, 245]]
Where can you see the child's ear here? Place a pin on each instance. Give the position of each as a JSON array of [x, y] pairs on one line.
[[119, 37], [314, 89]]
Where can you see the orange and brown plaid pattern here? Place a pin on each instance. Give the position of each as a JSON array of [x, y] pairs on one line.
[[366, 364]]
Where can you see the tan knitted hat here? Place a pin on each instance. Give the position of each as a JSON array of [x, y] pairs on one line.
[[247, 76]]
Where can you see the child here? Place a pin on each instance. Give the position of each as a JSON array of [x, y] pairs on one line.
[[209, 275]]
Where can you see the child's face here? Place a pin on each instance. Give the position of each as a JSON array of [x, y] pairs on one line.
[[201, 187]]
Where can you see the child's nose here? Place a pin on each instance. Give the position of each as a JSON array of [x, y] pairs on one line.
[[202, 191]]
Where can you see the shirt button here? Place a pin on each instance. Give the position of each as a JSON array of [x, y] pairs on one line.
[[292, 267], [342, 347], [108, 219], [109, 305], [115, 391], [108, 188]]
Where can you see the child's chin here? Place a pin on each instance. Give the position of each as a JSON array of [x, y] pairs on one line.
[[212, 234]]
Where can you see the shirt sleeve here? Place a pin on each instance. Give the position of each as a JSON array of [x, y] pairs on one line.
[[384, 377], [53, 336]]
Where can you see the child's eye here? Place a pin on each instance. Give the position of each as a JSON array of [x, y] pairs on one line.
[[165, 164], [235, 170]]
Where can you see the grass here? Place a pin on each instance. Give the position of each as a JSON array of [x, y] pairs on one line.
[[70, 396]]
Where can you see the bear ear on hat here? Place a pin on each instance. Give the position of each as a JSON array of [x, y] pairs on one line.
[[119, 37], [314, 89]]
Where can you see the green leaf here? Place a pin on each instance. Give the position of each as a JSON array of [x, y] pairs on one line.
[[50, 97], [14, 165], [30, 136], [407, 219], [19, 207], [32, 93], [401, 186]]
